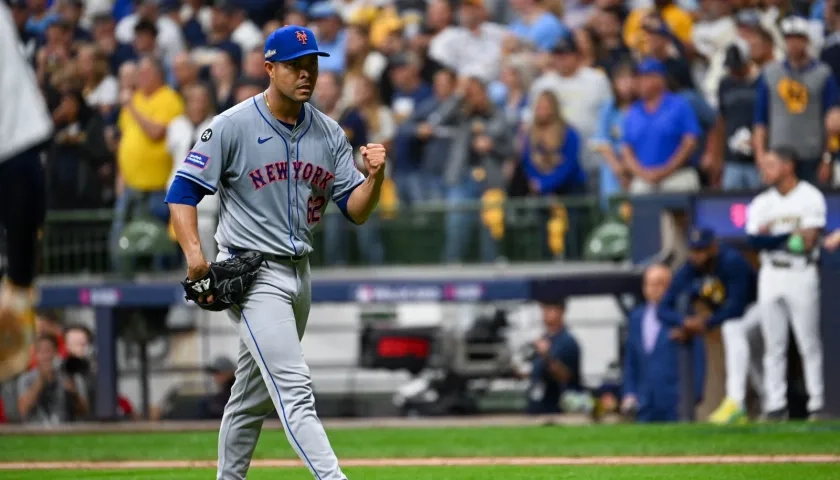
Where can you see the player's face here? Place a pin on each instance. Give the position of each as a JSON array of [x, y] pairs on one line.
[[771, 169], [796, 45], [701, 258], [296, 78], [552, 316]]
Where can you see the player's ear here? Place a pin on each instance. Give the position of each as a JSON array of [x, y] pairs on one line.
[[269, 69]]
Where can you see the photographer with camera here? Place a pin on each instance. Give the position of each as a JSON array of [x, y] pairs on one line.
[[555, 361], [48, 394]]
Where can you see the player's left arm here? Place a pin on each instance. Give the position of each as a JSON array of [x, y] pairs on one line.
[[354, 194], [812, 223]]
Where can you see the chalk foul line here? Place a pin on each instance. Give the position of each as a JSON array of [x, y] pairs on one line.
[[436, 462]]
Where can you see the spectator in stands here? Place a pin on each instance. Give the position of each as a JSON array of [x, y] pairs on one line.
[[678, 21], [253, 66], [104, 36], [510, 92], [481, 145], [427, 135], [734, 155], [48, 395], [212, 407], [181, 134], [535, 26], [615, 176], [761, 44], [409, 92], [611, 49], [40, 17], [71, 12], [659, 136], [652, 355], [169, 39], [145, 39], [223, 74], [352, 120], [581, 91], [79, 157], [191, 20], [332, 38], [555, 365], [144, 164], [55, 53], [247, 87], [185, 72], [663, 46], [101, 89], [219, 38], [362, 61], [714, 30], [474, 46], [792, 102], [550, 165], [243, 31]]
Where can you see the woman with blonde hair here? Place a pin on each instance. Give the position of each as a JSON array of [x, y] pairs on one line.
[[550, 166], [101, 89]]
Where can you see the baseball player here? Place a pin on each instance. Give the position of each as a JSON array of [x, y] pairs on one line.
[[275, 161], [784, 223], [25, 125]]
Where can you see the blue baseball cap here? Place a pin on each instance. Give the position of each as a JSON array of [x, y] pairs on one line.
[[651, 66], [700, 238], [290, 42]]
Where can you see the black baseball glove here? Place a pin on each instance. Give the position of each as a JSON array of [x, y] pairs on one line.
[[227, 281]]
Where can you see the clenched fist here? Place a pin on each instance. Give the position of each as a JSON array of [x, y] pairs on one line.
[[374, 157]]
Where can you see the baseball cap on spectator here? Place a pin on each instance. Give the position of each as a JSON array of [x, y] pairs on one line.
[[19, 4], [323, 10], [405, 59], [735, 57], [749, 17], [795, 27], [226, 6], [566, 44], [290, 42], [651, 66], [700, 238]]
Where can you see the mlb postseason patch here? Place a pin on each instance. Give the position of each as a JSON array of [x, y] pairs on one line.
[[197, 159]]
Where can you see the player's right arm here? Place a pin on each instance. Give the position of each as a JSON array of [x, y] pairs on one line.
[[199, 175], [758, 235]]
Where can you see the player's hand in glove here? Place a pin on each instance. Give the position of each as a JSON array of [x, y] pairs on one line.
[[225, 283], [374, 157]]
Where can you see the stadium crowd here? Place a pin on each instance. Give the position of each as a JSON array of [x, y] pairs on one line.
[[475, 99]]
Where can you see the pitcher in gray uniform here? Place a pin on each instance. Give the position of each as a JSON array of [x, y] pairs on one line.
[[275, 161]]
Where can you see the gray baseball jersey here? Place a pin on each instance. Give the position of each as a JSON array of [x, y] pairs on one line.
[[274, 183]]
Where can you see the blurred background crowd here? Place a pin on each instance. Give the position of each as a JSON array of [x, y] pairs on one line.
[[476, 100]]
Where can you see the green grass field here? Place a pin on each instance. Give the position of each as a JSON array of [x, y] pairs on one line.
[[495, 442]]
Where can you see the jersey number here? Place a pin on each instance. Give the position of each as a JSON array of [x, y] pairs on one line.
[[313, 209]]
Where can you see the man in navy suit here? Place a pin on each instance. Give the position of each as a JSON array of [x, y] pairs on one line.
[[655, 336]]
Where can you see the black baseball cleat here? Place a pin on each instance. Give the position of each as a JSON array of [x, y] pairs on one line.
[[779, 415]]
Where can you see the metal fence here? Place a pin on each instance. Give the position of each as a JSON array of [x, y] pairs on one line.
[[77, 242]]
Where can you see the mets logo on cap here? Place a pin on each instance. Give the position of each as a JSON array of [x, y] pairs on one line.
[[290, 42]]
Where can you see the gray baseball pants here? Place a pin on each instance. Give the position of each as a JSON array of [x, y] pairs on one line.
[[272, 374]]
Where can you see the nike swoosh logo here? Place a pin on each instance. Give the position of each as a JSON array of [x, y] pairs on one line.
[[263, 140]]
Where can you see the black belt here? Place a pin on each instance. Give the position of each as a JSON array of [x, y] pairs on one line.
[[270, 256]]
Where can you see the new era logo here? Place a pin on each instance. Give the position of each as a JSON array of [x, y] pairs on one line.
[[201, 286], [301, 37]]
